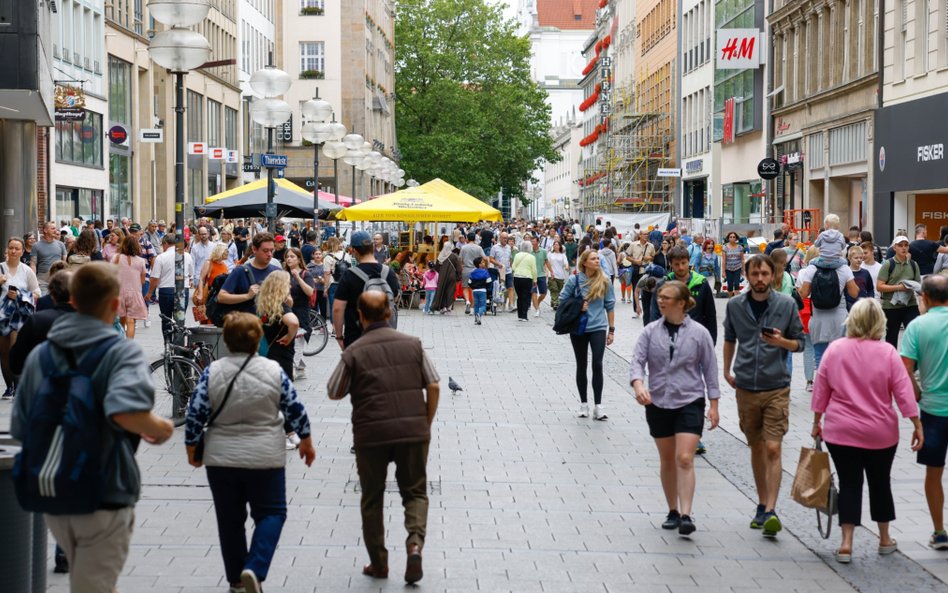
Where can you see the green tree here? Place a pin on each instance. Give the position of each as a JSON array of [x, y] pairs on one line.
[[468, 111]]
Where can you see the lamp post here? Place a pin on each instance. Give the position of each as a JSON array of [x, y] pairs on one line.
[[316, 131], [179, 49], [335, 150], [270, 112], [353, 156]]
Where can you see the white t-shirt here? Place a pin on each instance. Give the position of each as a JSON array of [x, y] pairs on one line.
[[559, 264], [163, 269], [873, 270], [24, 280]]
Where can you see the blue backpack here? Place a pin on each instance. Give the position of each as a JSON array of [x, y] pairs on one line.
[[62, 467]]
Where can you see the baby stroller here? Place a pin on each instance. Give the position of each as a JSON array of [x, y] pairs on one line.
[[496, 296]]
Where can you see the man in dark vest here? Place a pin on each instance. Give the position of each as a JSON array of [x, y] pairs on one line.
[[395, 392]]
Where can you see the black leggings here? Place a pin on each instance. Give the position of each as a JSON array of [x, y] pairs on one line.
[[523, 286], [851, 463], [581, 346]]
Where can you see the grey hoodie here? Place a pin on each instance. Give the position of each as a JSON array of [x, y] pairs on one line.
[[122, 382]]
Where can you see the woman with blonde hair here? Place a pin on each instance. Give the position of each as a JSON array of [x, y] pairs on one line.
[[131, 278], [596, 327], [855, 389], [280, 324], [678, 355], [215, 265]]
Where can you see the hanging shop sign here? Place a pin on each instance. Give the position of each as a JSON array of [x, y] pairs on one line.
[[739, 49], [69, 104], [117, 135]]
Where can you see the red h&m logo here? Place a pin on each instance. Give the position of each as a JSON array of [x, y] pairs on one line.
[[738, 49], [732, 51]]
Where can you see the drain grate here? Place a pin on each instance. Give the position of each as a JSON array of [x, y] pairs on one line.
[[434, 486]]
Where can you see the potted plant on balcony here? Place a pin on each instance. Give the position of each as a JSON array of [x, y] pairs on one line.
[[312, 74], [311, 11]]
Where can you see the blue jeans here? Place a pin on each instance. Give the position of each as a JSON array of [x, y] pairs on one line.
[[233, 488], [330, 297], [480, 302], [166, 306], [818, 350], [429, 298], [145, 291], [809, 358]]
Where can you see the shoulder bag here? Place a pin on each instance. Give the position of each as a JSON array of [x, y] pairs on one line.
[[199, 447]]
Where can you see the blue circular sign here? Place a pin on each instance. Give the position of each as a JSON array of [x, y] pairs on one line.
[[882, 158]]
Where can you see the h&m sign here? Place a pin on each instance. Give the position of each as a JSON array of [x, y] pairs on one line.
[[740, 49]]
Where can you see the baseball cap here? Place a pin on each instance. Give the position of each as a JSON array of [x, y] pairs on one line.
[[279, 238], [655, 270], [900, 239], [361, 239], [135, 227]]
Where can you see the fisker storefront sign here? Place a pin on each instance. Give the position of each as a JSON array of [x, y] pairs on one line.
[[910, 143]]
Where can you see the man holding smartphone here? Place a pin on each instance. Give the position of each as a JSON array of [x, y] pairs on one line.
[[762, 327]]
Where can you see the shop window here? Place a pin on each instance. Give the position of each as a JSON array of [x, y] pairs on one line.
[[80, 142], [120, 186]]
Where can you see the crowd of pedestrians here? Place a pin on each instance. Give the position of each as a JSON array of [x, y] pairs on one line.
[[836, 299]]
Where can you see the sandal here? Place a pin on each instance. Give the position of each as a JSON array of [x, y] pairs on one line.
[[370, 570], [844, 557], [889, 549]]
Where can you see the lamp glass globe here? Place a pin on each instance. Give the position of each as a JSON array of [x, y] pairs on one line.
[[179, 50], [179, 13], [353, 157], [334, 149], [270, 82], [270, 113], [364, 164], [353, 141], [315, 132], [337, 131], [317, 110], [400, 182]]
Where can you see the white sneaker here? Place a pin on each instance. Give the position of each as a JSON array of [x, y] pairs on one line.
[[537, 314], [250, 582], [584, 410], [148, 323], [635, 315], [299, 373], [599, 413]]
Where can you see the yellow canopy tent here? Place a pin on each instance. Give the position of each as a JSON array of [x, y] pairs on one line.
[[437, 201]]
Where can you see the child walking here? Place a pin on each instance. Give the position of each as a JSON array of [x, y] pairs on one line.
[[480, 283], [431, 286]]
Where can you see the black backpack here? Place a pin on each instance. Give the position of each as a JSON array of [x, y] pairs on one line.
[[340, 268], [216, 311], [63, 465], [825, 293]]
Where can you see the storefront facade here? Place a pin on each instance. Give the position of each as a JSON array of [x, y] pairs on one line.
[[911, 179]]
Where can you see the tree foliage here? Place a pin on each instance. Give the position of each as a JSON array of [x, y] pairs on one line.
[[467, 109]]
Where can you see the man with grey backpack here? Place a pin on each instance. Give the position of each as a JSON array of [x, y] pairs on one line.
[[367, 276]]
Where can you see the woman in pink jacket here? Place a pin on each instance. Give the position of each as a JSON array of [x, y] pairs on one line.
[[855, 386]]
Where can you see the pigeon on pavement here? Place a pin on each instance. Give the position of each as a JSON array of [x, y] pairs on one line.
[[454, 387]]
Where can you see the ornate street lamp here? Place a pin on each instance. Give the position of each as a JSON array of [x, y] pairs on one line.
[[270, 112], [316, 131], [335, 149], [179, 49]]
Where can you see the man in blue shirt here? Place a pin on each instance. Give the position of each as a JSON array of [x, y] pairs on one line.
[[238, 288]]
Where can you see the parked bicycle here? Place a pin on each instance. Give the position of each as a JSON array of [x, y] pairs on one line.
[[176, 373], [319, 335]]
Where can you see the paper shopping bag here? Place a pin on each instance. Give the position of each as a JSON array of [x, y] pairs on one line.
[[813, 480]]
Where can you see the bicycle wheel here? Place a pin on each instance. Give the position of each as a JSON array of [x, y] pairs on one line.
[[174, 383], [318, 337]]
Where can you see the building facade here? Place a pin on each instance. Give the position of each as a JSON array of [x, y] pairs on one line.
[[559, 179], [740, 113], [257, 28], [910, 178], [822, 106], [141, 98], [699, 167], [79, 152]]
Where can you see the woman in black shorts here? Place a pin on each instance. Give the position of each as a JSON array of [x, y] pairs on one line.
[[682, 370]]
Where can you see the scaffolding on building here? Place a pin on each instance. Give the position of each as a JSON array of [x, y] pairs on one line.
[[638, 145]]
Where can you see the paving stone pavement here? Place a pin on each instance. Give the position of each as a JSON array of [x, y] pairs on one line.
[[525, 496]]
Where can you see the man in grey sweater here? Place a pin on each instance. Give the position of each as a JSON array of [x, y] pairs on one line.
[[762, 327]]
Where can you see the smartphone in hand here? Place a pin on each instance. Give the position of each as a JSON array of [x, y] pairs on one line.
[[768, 331]]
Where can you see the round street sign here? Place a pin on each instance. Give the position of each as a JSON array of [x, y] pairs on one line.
[[118, 135], [768, 169]]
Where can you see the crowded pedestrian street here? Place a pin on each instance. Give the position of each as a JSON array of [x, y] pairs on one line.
[[525, 496]]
